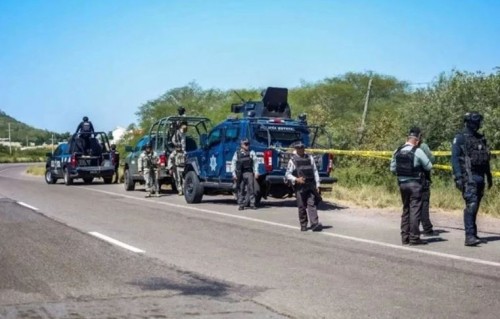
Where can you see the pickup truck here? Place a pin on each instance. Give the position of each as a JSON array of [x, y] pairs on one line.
[[75, 160], [160, 136]]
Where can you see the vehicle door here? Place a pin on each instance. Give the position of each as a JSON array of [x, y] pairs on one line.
[[214, 160], [231, 143], [134, 156], [58, 159]]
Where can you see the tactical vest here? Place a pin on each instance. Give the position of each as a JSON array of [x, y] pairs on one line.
[[405, 162], [244, 162], [304, 168], [86, 127], [177, 140], [477, 150], [148, 161]]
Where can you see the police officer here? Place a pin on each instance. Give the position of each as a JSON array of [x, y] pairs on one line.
[[244, 168], [148, 167], [470, 159], [86, 129], [409, 163], [303, 174], [428, 228], [115, 156], [179, 142]]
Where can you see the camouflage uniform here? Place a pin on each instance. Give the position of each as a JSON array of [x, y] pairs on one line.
[[148, 167]]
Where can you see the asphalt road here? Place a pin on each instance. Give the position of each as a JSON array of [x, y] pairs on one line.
[[212, 261]]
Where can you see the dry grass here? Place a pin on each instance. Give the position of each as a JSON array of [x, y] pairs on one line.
[[37, 170], [442, 198]]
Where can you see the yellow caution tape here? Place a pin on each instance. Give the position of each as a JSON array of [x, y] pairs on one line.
[[388, 154]]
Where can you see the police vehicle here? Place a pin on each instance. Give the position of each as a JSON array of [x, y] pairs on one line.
[[271, 131], [81, 158], [160, 137]]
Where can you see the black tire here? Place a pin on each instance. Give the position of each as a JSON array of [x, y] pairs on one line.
[[68, 180], [107, 180], [193, 190], [88, 180], [49, 178], [258, 192], [128, 181]]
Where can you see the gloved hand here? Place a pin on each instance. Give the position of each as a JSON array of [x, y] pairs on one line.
[[489, 179], [459, 183]]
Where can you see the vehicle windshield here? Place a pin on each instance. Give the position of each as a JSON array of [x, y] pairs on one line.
[[280, 135]]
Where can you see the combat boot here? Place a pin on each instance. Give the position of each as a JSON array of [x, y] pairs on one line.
[[472, 241]]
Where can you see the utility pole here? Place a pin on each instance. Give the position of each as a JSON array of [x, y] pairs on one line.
[[52, 143], [365, 111], [10, 144]]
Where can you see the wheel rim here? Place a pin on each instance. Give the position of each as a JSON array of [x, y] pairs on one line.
[[48, 176], [188, 185]]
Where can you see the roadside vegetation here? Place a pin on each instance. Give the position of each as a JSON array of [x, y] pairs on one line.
[[337, 103]]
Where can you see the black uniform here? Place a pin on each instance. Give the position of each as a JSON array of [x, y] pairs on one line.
[[245, 178], [86, 129], [471, 164], [115, 156]]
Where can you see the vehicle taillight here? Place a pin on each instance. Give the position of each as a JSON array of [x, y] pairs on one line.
[[163, 160], [73, 162], [268, 160], [329, 168], [276, 120]]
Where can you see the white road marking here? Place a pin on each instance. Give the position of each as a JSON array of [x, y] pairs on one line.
[[27, 206], [356, 239], [116, 242]]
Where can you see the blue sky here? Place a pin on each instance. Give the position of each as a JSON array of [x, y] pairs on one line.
[[60, 60]]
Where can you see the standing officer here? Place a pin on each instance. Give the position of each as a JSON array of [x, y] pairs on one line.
[[179, 142], [426, 194], [303, 173], [86, 129], [470, 159], [148, 167], [115, 157], [244, 168], [409, 163]]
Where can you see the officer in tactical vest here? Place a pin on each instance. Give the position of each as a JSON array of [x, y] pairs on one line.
[[409, 163], [470, 159], [179, 143], [86, 129], [303, 174], [148, 168], [428, 228], [244, 168]]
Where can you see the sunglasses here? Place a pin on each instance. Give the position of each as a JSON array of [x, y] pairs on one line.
[[246, 143]]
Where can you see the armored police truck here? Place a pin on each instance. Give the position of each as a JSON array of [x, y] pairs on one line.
[[269, 127]]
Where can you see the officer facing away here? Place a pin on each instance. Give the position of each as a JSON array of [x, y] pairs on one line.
[[426, 193], [470, 159], [244, 168], [85, 128], [148, 167], [115, 156], [303, 174], [409, 163]]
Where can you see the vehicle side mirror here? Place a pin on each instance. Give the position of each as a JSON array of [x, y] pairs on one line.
[[203, 140], [49, 154]]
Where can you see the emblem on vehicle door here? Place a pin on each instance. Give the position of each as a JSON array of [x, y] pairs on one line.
[[213, 163]]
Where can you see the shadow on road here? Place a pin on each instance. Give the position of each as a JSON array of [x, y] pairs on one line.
[[193, 285]]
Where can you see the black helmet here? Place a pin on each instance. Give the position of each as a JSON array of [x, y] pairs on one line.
[[473, 117], [148, 145], [85, 119], [473, 120], [415, 132]]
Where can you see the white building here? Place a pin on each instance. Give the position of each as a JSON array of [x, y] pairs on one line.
[[118, 134]]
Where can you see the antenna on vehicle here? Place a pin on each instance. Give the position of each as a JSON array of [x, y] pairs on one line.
[[242, 100]]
